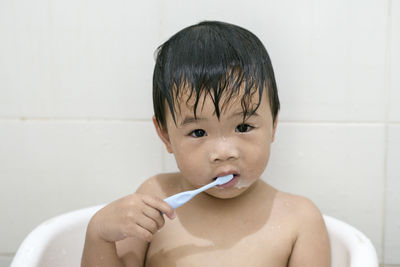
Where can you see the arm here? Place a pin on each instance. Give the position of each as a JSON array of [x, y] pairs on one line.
[[311, 248], [98, 252], [134, 217]]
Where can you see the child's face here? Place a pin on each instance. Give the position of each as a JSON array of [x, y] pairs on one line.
[[205, 148]]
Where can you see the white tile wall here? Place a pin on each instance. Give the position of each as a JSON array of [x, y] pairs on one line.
[[75, 104], [392, 216], [320, 51], [169, 162], [394, 63], [326, 80], [50, 167], [77, 59], [339, 166], [392, 212]]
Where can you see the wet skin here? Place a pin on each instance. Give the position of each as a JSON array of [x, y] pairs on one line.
[[254, 225], [249, 229]]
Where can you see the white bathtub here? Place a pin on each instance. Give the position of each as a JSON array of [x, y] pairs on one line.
[[59, 242]]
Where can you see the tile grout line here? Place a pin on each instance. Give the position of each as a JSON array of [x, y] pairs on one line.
[[71, 119], [333, 122]]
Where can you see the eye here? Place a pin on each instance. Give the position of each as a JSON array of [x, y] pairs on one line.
[[242, 128], [198, 133]]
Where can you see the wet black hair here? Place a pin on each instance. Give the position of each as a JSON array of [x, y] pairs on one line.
[[212, 58]]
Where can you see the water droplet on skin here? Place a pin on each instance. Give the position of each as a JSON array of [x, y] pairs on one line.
[[241, 183]]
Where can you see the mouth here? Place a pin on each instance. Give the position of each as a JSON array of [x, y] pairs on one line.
[[229, 184]]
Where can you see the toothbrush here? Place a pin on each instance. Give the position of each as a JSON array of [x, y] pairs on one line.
[[179, 199]]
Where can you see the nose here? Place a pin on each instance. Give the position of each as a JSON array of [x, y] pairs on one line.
[[223, 149]]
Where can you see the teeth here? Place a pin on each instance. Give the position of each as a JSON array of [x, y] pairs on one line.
[[234, 175]]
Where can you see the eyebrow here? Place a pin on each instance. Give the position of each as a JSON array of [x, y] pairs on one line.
[[241, 114], [191, 119]]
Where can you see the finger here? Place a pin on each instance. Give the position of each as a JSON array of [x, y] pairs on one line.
[[147, 223], [154, 214], [140, 232], [160, 204]]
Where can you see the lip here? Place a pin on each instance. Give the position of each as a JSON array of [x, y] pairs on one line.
[[231, 183], [226, 173]]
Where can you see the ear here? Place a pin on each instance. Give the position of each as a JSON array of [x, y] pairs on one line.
[[163, 134], [274, 127]]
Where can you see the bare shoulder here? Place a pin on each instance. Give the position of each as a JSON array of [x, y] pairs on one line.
[[303, 212], [300, 207], [311, 244]]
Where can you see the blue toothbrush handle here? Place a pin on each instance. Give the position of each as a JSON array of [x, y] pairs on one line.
[[179, 199]]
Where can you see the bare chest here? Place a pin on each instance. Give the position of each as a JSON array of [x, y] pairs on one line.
[[187, 242]]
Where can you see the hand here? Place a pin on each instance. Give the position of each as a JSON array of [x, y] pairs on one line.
[[136, 215]]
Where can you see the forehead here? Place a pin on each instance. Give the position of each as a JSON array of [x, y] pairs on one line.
[[188, 102]]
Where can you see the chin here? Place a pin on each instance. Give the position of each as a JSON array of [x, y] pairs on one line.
[[226, 194]]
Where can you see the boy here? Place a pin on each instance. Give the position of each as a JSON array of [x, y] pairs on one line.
[[216, 109]]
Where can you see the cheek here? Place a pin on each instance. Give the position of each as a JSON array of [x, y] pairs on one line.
[[258, 156], [186, 157]]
